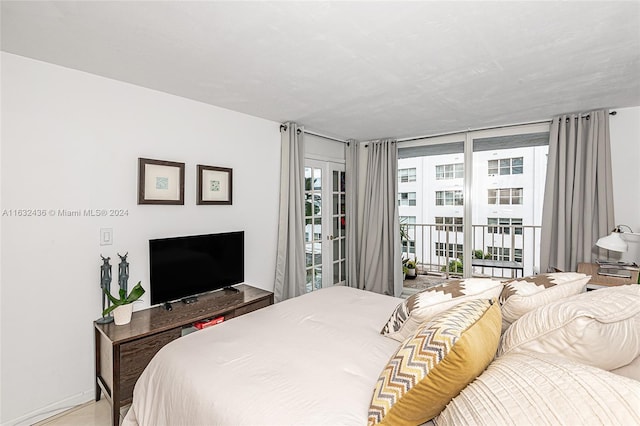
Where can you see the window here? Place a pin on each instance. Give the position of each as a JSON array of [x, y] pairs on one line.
[[506, 166], [407, 220], [449, 198], [440, 221], [408, 247], [313, 227], [464, 172], [500, 253], [505, 225], [453, 251], [407, 175], [505, 196], [517, 255], [406, 198], [407, 232], [450, 171]]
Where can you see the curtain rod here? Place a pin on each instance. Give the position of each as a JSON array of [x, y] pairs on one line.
[[417, 138], [325, 137], [284, 127]]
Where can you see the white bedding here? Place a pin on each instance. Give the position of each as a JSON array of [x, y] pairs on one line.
[[311, 360]]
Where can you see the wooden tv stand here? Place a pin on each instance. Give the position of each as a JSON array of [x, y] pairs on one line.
[[123, 351]]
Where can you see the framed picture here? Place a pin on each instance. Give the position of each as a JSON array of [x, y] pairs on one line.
[[160, 182], [214, 185]]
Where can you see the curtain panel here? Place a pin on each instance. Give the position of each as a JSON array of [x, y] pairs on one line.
[[290, 260], [380, 263], [578, 198]]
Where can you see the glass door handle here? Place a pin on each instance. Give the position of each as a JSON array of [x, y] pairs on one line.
[[330, 237]]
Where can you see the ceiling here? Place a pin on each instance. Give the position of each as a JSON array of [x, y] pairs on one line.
[[361, 70]]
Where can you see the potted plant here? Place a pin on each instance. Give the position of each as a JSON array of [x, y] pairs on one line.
[[455, 266], [411, 268], [122, 307], [404, 268]]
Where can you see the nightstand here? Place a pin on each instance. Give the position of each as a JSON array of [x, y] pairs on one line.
[[600, 281]]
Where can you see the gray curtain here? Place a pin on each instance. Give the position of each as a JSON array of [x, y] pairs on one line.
[[380, 262], [290, 261], [353, 239], [578, 198]]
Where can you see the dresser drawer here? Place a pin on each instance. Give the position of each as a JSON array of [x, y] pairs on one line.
[[135, 355]]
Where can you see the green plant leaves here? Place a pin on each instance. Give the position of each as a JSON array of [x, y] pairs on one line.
[[136, 292]]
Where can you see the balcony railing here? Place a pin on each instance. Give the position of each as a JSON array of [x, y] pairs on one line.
[[497, 250]]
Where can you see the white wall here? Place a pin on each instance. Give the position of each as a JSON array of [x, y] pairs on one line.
[[625, 153], [317, 148], [71, 140]]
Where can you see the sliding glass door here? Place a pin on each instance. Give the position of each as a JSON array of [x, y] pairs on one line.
[[509, 173], [431, 204], [471, 203]]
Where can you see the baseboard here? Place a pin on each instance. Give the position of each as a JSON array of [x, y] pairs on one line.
[[51, 409]]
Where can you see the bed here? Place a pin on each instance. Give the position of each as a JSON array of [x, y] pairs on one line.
[[566, 357], [274, 366]]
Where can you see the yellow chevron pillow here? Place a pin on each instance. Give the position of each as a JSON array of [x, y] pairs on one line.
[[431, 367]]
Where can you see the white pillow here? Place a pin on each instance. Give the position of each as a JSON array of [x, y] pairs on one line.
[[532, 389], [422, 306], [631, 370], [599, 328], [522, 295]]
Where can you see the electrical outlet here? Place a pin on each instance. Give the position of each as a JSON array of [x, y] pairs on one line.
[[106, 236]]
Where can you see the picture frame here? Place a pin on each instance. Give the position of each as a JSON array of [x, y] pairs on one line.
[[160, 182], [214, 185]]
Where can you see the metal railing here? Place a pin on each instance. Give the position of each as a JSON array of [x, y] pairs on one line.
[[497, 250]]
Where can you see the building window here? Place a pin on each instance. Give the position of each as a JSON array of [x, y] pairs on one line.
[[449, 198], [407, 175], [450, 221], [505, 196], [408, 247], [407, 229], [406, 198], [506, 166], [450, 171], [453, 251], [517, 255], [505, 224], [407, 220], [500, 253]]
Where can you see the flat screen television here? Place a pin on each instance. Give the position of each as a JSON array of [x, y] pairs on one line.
[[182, 267]]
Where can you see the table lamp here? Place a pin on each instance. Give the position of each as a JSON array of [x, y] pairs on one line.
[[614, 241]]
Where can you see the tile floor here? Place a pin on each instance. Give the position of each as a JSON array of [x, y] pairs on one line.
[[420, 282], [89, 414]]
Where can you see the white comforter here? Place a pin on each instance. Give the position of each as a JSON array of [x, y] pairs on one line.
[[311, 360]]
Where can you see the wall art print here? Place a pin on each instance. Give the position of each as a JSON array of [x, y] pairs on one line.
[[160, 182], [214, 185]]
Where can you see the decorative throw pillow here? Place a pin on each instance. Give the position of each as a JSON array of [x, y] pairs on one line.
[[522, 295], [534, 389], [436, 363], [631, 370], [599, 328], [422, 306]]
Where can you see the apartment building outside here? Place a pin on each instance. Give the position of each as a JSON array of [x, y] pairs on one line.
[[506, 199]]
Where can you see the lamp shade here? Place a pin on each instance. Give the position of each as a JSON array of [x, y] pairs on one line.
[[613, 242]]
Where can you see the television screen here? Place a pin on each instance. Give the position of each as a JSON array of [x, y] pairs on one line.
[[182, 267]]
